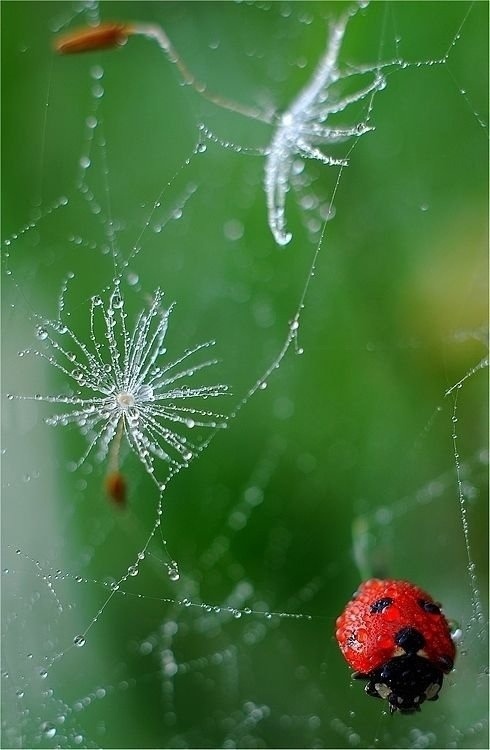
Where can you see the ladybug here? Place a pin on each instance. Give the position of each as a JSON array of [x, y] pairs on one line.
[[394, 635]]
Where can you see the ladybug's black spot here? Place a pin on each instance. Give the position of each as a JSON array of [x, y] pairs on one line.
[[431, 607], [381, 605], [410, 640]]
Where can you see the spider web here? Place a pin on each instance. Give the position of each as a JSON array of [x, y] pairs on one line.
[[347, 459]]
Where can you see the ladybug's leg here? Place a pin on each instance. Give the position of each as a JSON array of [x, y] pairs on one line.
[[370, 688]]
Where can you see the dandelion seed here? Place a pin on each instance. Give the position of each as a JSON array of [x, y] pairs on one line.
[[299, 131], [124, 387], [303, 127]]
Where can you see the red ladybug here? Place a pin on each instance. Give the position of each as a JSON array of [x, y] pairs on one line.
[[395, 636]]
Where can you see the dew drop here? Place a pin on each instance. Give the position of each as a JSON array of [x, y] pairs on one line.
[[233, 230], [97, 72], [173, 573], [79, 641], [48, 729], [41, 333]]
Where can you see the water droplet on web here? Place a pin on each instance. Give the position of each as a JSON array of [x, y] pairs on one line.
[[19, 693], [79, 641], [263, 385], [41, 333], [133, 570], [43, 673], [48, 729], [201, 148], [85, 164], [173, 572], [233, 230], [97, 72]]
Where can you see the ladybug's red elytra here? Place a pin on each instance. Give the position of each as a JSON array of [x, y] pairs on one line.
[[394, 635]]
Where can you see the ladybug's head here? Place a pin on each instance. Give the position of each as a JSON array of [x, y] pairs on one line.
[[408, 680]]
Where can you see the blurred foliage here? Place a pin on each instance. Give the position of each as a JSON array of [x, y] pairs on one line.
[[355, 432]]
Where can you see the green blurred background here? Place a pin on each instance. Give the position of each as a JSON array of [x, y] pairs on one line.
[[354, 433]]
